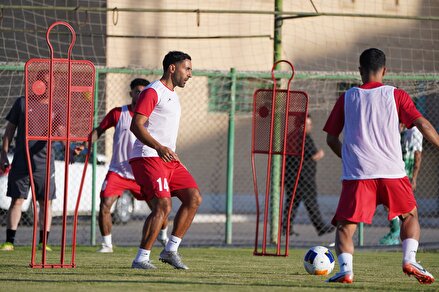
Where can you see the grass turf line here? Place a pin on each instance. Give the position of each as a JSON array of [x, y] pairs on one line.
[[211, 269]]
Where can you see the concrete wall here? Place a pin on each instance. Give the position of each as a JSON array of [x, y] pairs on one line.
[[327, 43]]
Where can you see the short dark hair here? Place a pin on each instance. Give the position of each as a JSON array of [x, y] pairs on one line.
[[138, 81], [174, 57], [372, 60]]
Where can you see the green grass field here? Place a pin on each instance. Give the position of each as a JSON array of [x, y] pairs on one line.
[[211, 269]]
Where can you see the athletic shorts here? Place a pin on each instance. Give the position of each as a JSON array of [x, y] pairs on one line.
[[160, 179], [359, 199], [19, 185], [115, 184]]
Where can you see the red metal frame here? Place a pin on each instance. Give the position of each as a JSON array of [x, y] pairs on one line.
[[270, 153], [67, 138]]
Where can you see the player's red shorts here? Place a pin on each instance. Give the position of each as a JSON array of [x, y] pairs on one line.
[[160, 179], [359, 198], [115, 184]]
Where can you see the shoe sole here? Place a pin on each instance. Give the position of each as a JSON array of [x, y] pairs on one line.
[[411, 271], [344, 279], [104, 251], [169, 263]]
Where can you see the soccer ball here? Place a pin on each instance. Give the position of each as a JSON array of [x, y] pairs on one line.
[[319, 261]]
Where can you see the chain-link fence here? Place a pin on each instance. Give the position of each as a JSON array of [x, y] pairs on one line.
[[202, 145]]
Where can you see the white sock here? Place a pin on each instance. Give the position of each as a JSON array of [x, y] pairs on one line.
[[107, 240], [409, 249], [173, 243], [142, 255], [163, 233], [345, 262]]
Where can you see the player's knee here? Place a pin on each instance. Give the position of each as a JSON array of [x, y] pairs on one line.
[[195, 199], [16, 203], [104, 208], [43, 203], [346, 228], [163, 213], [412, 214], [163, 207]]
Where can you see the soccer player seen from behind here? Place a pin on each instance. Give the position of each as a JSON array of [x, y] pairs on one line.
[[373, 170], [156, 166], [120, 176]]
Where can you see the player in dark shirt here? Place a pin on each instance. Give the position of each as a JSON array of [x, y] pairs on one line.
[[18, 179], [306, 188]]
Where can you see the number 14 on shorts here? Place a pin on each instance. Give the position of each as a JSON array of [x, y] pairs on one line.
[[164, 185]]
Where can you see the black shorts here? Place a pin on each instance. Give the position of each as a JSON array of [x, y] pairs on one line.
[[19, 185]]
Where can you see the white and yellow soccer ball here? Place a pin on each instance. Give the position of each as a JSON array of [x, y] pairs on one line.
[[319, 261]]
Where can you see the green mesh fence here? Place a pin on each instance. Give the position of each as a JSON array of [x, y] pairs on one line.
[[202, 146]]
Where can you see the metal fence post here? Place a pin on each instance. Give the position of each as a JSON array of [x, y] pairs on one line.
[[361, 234], [230, 156], [276, 159]]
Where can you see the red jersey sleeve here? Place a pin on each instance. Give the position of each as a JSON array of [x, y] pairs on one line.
[[407, 111], [111, 119], [335, 123], [147, 101]]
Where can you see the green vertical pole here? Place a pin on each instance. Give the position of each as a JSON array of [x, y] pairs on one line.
[[276, 159], [361, 234], [93, 178], [277, 42], [230, 157]]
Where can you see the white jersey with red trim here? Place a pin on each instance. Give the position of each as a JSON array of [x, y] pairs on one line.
[[371, 146], [411, 141], [123, 141], [162, 107]]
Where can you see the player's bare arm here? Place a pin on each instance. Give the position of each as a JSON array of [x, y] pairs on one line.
[[416, 168], [334, 143], [427, 130], [7, 138], [96, 134], [165, 153]]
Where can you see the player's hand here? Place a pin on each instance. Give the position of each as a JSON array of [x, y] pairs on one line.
[[78, 149], [166, 154], [413, 183], [4, 162]]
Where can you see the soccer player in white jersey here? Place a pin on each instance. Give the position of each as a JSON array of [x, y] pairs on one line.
[[120, 177], [373, 169], [156, 166]]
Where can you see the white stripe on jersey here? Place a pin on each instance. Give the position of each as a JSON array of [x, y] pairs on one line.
[[163, 122]]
